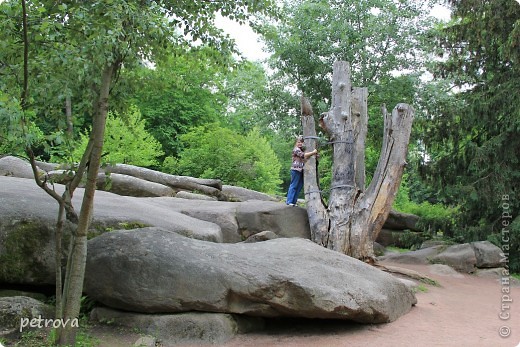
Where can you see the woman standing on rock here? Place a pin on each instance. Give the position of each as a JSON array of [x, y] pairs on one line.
[[298, 161]]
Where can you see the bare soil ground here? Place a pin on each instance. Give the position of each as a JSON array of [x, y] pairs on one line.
[[463, 311]]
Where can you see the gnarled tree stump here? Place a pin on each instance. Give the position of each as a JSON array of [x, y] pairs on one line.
[[354, 216]]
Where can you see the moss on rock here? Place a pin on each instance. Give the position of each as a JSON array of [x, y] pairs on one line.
[[25, 252]]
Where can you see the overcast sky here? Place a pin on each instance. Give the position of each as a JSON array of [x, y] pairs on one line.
[[246, 39]]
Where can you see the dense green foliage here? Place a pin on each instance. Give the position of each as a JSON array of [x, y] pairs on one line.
[[473, 135], [126, 141], [13, 137], [435, 218], [179, 93], [376, 37], [248, 98], [70, 43], [215, 152]]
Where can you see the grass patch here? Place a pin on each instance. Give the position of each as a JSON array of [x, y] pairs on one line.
[[421, 288], [101, 228], [397, 249], [430, 281]]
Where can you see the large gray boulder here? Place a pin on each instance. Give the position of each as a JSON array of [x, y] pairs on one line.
[[14, 309], [151, 270], [240, 220], [181, 328], [421, 256], [488, 255], [16, 167], [466, 257], [401, 221], [285, 221], [460, 257], [132, 186], [28, 217], [243, 194]]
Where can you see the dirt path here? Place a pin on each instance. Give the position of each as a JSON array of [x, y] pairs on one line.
[[463, 311]]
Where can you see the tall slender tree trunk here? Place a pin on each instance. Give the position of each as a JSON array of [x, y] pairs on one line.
[[73, 288], [69, 301], [354, 216], [68, 115]]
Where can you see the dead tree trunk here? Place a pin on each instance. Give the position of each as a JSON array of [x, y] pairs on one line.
[[354, 216]]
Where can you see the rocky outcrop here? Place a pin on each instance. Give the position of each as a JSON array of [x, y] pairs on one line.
[[460, 257], [119, 179], [152, 270], [16, 167], [401, 221], [284, 221], [421, 256], [242, 194], [129, 180], [182, 328], [14, 308], [466, 257], [262, 236], [487, 255], [240, 220], [28, 217]]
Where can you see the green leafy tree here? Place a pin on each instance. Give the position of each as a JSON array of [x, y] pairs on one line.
[[126, 141], [182, 91], [473, 136], [13, 138], [48, 47], [248, 98], [245, 161], [377, 37], [385, 42]]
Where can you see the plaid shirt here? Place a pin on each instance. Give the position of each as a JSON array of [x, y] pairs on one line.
[[298, 159]]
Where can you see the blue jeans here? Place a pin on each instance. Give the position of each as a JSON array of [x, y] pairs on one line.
[[295, 187]]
